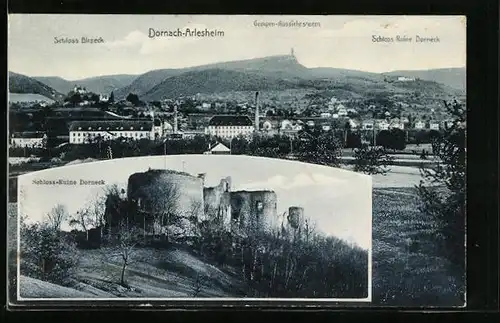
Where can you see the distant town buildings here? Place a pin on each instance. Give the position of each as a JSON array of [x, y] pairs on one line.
[[28, 139], [229, 126]]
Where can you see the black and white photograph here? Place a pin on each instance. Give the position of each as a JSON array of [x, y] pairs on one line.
[[237, 158], [203, 226]]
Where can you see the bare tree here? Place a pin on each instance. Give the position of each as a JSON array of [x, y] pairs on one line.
[[122, 243], [83, 219], [56, 216]]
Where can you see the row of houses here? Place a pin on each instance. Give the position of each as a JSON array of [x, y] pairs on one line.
[[224, 126]]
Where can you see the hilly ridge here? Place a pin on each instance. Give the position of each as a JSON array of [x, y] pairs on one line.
[[267, 73], [283, 66], [19, 83], [214, 80], [98, 84]]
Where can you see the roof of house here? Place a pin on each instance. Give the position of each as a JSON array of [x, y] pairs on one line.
[[111, 125], [220, 147], [230, 120]]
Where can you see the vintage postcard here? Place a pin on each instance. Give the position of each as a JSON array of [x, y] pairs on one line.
[[237, 158]]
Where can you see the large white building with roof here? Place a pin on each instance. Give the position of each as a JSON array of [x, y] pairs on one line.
[[229, 126], [81, 132]]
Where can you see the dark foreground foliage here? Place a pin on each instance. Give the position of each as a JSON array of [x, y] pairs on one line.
[[442, 191], [47, 254], [280, 265]]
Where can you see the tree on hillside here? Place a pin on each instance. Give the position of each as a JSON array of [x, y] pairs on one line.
[[111, 97], [442, 190], [57, 216], [371, 160], [74, 98], [121, 245], [95, 97], [133, 98]]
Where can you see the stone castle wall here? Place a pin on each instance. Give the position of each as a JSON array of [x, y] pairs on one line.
[[217, 202], [254, 210]]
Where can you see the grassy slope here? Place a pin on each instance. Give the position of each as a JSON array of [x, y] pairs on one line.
[[173, 273], [408, 267]]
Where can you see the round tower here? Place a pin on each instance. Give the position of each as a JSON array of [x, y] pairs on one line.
[[295, 217]]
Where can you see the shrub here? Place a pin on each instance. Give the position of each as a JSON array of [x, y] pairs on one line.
[[47, 254], [371, 160]]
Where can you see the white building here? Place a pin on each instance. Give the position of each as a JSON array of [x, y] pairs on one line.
[[325, 115], [383, 125], [267, 125], [419, 125], [367, 125], [397, 125], [434, 125], [405, 79], [286, 125], [326, 127], [353, 124], [81, 132], [28, 139], [229, 126], [206, 105], [219, 149]]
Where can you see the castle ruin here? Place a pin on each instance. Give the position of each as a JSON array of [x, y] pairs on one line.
[[170, 203]]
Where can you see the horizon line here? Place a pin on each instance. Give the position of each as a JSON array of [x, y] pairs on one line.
[[238, 60]]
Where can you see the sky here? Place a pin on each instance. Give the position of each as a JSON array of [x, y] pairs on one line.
[[338, 201], [330, 41]]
